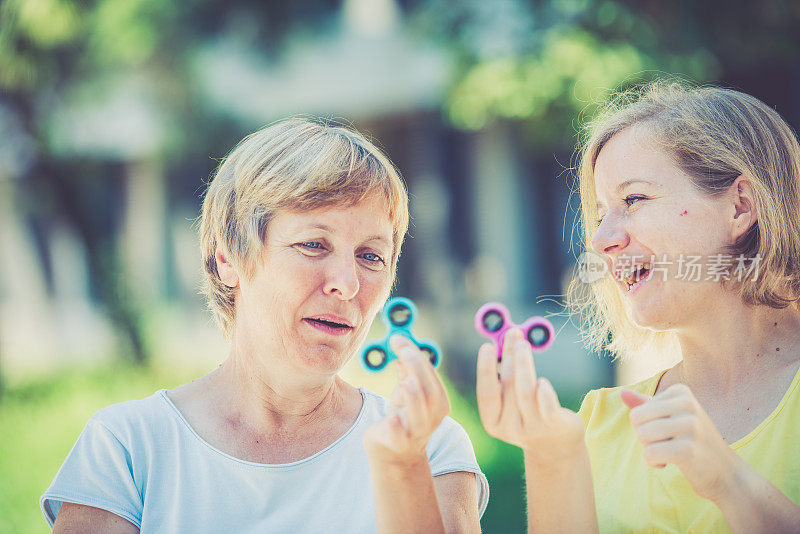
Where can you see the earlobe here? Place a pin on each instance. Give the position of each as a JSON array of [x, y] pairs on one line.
[[745, 214], [226, 270]]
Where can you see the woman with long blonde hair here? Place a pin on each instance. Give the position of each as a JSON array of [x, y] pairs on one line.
[[691, 197]]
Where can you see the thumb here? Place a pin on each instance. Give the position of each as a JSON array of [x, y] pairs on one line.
[[631, 398]]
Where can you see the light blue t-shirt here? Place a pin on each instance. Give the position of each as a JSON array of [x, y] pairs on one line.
[[142, 461]]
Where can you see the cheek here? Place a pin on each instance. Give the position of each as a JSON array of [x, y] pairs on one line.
[[680, 228], [374, 289]]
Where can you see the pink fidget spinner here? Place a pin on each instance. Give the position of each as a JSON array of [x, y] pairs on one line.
[[493, 321]]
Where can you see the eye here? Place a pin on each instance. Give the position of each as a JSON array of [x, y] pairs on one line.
[[311, 246], [630, 200], [372, 257]]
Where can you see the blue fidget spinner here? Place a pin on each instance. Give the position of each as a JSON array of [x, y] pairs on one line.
[[398, 315]]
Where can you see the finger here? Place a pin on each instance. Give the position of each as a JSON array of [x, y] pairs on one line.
[[509, 414], [547, 401], [510, 340], [397, 427], [525, 383], [661, 453], [402, 372], [397, 396], [417, 415], [433, 385], [662, 429], [659, 407], [415, 363], [488, 388], [632, 399]]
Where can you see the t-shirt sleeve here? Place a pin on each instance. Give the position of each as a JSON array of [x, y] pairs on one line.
[[98, 473], [450, 450]]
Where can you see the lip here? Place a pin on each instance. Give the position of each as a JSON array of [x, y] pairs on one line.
[[623, 266], [332, 330], [635, 288], [330, 318], [314, 322]]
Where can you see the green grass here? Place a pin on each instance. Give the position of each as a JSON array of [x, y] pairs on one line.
[[41, 419]]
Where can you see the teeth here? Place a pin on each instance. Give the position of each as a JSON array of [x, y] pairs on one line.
[[629, 275]]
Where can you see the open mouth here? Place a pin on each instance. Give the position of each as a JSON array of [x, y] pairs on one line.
[[328, 325], [633, 276]]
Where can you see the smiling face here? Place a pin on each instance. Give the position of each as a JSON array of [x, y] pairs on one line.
[[324, 275], [648, 208]]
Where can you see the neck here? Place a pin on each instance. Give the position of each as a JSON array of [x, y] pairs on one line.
[[267, 395], [736, 343]]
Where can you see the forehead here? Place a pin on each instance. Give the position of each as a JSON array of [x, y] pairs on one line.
[[370, 216], [632, 156]]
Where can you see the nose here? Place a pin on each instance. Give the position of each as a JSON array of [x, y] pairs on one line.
[[342, 279], [610, 236]]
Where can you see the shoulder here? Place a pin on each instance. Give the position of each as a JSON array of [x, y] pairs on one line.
[[133, 419], [107, 467]]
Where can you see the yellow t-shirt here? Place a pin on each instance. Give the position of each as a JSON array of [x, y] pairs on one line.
[[632, 497]]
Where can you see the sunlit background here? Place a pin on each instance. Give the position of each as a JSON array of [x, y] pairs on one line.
[[113, 114]]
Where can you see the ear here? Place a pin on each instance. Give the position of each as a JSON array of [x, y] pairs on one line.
[[227, 272], [744, 203]]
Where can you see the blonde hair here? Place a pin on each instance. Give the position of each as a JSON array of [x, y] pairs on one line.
[[295, 164], [714, 135]]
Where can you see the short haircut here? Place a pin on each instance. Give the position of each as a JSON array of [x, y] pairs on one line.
[[298, 164]]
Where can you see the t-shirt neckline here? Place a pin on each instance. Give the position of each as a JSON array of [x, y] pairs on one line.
[[750, 436], [163, 394]]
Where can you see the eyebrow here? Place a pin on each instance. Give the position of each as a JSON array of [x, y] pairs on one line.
[[625, 184], [326, 228]]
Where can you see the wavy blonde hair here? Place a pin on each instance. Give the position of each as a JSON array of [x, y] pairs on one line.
[[297, 164], [714, 135]]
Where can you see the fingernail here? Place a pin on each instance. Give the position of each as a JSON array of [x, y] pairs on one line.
[[545, 383], [399, 341], [515, 334]]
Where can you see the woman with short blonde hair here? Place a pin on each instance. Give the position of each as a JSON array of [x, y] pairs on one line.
[[673, 176], [300, 233], [293, 164]]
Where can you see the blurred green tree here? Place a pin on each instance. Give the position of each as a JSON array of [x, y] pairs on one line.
[[546, 63], [51, 50]]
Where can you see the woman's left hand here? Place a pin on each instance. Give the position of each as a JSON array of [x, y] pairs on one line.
[[675, 429], [419, 406]]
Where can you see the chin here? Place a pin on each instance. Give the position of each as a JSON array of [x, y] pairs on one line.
[[653, 316], [325, 359]]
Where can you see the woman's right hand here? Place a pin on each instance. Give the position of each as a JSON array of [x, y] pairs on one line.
[[520, 409], [419, 406]]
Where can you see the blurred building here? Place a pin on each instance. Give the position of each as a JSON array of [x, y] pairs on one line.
[[489, 221]]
